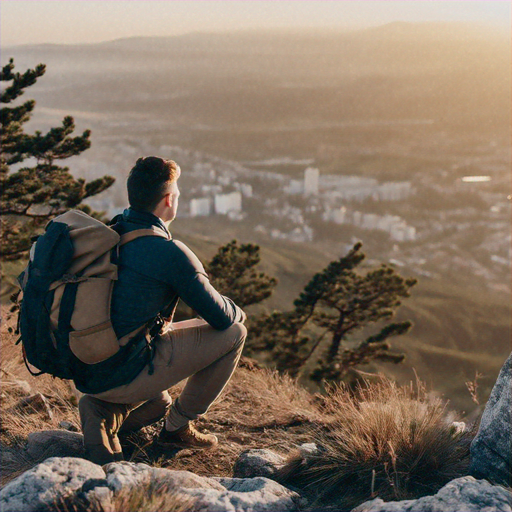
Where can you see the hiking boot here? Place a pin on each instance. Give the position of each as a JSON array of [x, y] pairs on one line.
[[101, 422], [186, 437]]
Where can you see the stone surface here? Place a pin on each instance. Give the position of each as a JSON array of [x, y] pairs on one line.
[[308, 450], [248, 495], [81, 479], [491, 448], [252, 463], [102, 498], [38, 487], [128, 474], [38, 403], [461, 495], [67, 425], [55, 443], [208, 494]]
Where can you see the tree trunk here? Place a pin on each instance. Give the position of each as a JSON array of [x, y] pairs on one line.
[[336, 339]]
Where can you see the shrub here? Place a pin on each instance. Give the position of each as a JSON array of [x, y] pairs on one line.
[[386, 441]]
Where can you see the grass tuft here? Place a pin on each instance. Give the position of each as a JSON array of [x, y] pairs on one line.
[[147, 497], [387, 441]]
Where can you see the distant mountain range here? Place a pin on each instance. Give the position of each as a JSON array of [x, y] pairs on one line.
[[451, 72]]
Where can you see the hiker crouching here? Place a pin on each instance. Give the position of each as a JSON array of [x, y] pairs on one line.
[[154, 272]]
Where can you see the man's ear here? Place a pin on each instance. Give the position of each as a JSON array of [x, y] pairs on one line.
[[168, 200]]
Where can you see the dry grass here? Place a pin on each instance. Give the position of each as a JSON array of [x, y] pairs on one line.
[[386, 441], [258, 409], [148, 497]]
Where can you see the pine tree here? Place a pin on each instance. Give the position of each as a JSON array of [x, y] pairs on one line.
[[233, 272], [33, 194], [338, 302]]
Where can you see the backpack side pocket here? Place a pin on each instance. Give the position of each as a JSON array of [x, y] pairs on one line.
[[94, 344]]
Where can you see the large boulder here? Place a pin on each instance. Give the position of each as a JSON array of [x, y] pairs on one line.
[[80, 481], [256, 462], [207, 494], [491, 449], [38, 487], [122, 475], [463, 494]]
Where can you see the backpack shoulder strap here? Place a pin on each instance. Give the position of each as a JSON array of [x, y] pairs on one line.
[[138, 233]]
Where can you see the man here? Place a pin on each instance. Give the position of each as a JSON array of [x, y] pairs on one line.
[[154, 272]]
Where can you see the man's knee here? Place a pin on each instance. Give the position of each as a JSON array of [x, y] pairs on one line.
[[237, 332]]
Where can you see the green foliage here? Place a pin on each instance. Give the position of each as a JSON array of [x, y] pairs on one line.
[[337, 302], [32, 195], [233, 272]]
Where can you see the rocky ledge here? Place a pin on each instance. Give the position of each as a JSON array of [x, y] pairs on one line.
[[85, 483]]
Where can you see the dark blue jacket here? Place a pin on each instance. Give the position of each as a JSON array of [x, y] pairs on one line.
[[154, 273]]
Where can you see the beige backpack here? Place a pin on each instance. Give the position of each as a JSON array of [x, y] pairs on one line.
[[67, 291]]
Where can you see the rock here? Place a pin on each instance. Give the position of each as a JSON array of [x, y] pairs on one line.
[[67, 425], [38, 487], [16, 387], [491, 448], [101, 498], [38, 403], [253, 463], [464, 494], [248, 495], [308, 450], [55, 443], [208, 494], [125, 474], [82, 482], [121, 475]]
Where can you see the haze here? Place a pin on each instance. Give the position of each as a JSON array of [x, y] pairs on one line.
[[59, 21]]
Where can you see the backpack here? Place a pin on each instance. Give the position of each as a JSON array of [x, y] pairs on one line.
[[64, 318]]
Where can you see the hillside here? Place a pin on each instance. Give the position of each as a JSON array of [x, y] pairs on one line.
[[458, 329]]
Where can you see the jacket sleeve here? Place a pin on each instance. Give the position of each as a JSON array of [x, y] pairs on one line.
[[190, 281]]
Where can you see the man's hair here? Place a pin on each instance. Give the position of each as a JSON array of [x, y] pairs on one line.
[[149, 180]]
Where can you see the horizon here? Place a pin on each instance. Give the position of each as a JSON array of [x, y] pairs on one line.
[[89, 22], [487, 30]]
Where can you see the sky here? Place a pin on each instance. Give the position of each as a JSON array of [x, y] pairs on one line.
[[89, 21]]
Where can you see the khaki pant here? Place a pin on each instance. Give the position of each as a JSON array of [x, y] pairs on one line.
[[191, 349]]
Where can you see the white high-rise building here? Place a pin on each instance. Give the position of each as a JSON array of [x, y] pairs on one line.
[[225, 203], [311, 175], [200, 207]]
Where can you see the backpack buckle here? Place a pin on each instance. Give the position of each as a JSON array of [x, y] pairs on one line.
[[70, 278]]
